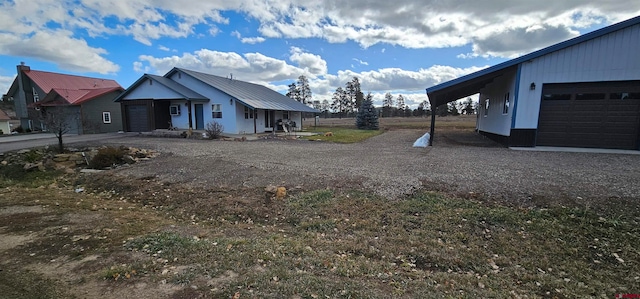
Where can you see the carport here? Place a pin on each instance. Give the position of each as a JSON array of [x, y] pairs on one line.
[[463, 87]]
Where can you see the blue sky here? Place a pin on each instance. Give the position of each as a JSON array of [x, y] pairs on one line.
[[401, 46]]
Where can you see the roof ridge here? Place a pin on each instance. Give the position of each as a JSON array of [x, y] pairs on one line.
[[70, 75]]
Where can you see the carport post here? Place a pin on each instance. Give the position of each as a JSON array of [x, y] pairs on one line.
[[189, 112], [433, 124]]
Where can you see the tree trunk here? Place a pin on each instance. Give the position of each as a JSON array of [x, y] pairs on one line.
[[60, 145]]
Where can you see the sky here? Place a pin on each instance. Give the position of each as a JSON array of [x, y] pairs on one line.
[[401, 46]]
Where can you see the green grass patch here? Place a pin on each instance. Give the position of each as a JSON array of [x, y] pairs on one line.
[[14, 175], [342, 134], [429, 245], [25, 284]]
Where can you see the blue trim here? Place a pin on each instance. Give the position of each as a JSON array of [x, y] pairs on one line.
[[516, 95], [539, 53]]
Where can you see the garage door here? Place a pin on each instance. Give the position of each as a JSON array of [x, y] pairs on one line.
[[137, 118], [589, 115]]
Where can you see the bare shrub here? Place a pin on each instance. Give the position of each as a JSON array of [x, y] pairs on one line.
[[107, 157], [214, 130]]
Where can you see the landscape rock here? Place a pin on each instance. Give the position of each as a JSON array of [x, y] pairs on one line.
[[128, 159]]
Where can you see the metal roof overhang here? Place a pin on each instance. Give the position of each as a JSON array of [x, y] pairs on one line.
[[462, 87]]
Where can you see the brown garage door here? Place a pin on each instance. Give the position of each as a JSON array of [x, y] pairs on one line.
[[137, 118], [590, 115]]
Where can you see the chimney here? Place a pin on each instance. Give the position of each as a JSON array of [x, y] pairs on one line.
[[23, 67]]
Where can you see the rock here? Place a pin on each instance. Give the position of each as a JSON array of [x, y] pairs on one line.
[[24, 151], [30, 166], [76, 157], [4, 162], [128, 159], [61, 157], [271, 189], [281, 193], [65, 165], [88, 170]]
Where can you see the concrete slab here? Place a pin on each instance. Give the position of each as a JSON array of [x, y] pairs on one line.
[[576, 150]]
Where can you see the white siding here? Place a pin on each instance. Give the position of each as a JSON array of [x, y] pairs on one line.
[[496, 121], [155, 90], [612, 57]]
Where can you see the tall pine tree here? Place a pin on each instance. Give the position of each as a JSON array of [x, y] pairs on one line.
[[367, 117]]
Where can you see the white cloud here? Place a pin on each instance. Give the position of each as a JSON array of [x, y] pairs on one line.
[[253, 67], [58, 47], [313, 64], [252, 40], [5, 83], [360, 61], [261, 69], [163, 48]]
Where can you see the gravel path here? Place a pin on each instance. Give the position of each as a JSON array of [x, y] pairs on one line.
[[390, 167]]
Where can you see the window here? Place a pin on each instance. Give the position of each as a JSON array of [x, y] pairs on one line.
[[589, 96], [106, 117], [35, 95], [505, 104], [216, 111], [625, 96], [285, 115], [557, 97], [248, 113], [486, 107], [174, 109]]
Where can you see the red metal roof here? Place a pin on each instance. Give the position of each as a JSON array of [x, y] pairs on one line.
[[4, 116], [47, 81], [74, 89]]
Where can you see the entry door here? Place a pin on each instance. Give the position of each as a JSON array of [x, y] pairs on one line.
[[199, 117], [269, 115]]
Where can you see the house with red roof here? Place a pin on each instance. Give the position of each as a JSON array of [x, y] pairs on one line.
[[87, 102], [5, 128]]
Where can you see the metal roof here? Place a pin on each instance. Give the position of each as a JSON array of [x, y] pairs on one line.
[[174, 86], [47, 81], [74, 96], [252, 95], [4, 116], [471, 83]]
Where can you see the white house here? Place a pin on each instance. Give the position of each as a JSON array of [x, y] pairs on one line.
[[583, 92], [188, 99]]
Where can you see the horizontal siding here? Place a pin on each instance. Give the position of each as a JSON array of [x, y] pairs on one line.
[[612, 57]]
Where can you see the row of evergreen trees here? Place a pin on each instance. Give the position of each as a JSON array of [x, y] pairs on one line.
[[350, 101]]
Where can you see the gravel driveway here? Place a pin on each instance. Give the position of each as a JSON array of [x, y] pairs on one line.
[[390, 167]]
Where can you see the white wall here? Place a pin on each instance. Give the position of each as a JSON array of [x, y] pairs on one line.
[[496, 121], [155, 90], [611, 57], [4, 126], [215, 96]]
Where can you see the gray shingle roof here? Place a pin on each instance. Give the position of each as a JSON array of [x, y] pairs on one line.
[[250, 94]]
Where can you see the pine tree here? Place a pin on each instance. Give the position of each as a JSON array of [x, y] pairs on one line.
[[387, 103], [304, 91], [367, 117], [401, 105]]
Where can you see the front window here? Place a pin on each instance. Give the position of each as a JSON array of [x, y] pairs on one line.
[[174, 109], [486, 107], [216, 111], [248, 113], [106, 117], [505, 105], [285, 115]]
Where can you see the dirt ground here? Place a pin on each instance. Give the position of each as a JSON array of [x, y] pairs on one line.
[[58, 242]]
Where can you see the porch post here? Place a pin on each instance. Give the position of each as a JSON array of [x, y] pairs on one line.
[[189, 112]]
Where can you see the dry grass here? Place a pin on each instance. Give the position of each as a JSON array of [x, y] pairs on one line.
[[386, 123]]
